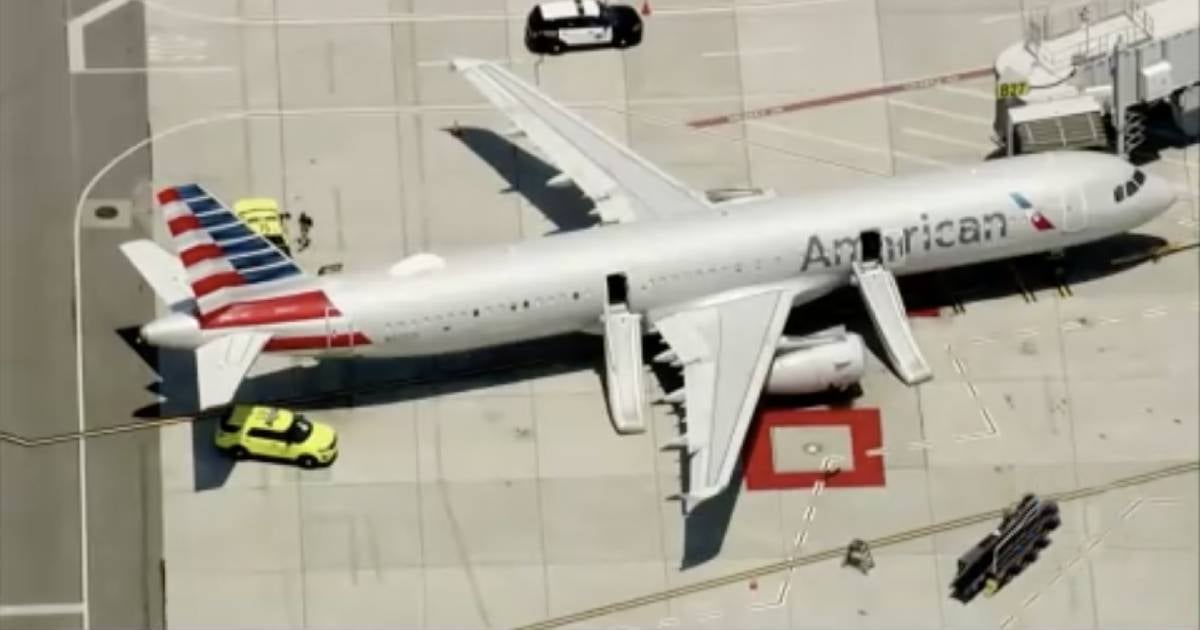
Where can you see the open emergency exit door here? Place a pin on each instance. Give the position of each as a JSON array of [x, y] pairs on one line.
[[879, 253]]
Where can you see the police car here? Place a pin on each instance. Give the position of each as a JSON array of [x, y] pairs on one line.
[[554, 27]]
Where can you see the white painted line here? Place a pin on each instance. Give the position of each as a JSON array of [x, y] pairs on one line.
[[875, 452], [1087, 549], [992, 429], [916, 446], [958, 366], [847, 144], [976, 120], [77, 61], [980, 340], [411, 18], [161, 70], [965, 91], [42, 610], [434, 63], [1026, 332], [809, 513], [1155, 311], [667, 622], [920, 133], [1069, 326], [753, 52]]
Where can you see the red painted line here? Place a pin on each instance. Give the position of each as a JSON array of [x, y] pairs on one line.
[[925, 312], [865, 434], [316, 342], [890, 88], [275, 310]]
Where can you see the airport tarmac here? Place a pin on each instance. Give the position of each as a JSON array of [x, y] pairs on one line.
[[80, 523], [507, 499]]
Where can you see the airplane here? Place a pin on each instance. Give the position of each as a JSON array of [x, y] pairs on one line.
[[716, 281]]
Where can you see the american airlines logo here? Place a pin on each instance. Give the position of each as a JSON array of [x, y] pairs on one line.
[[966, 230], [1039, 221]]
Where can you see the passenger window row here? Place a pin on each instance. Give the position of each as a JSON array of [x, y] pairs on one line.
[[1130, 187]]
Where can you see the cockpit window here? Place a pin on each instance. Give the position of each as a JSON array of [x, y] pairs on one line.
[[1139, 177], [1130, 188], [1119, 194]]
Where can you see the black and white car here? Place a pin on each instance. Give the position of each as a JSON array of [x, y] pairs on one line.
[[561, 25]]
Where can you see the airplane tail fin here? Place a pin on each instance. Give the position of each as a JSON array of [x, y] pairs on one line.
[[160, 270], [224, 261], [222, 363]]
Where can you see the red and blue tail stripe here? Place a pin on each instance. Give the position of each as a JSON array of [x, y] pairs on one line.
[[218, 251]]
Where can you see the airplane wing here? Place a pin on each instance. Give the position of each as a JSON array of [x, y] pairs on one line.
[[623, 185], [726, 346], [222, 363]]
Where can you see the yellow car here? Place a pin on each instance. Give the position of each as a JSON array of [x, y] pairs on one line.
[[277, 434], [262, 215]]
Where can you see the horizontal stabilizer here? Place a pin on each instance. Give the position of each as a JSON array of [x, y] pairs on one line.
[[162, 271], [222, 363]]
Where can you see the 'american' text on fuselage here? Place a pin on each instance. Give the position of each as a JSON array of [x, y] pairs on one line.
[[944, 234]]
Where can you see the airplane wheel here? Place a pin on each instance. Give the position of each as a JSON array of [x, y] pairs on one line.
[[307, 461], [238, 452]]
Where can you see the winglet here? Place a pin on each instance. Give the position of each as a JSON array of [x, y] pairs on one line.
[[222, 363]]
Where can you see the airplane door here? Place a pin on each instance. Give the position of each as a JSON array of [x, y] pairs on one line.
[[339, 332], [1074, 210]]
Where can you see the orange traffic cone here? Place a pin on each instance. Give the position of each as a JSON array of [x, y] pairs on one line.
[[646, 7]]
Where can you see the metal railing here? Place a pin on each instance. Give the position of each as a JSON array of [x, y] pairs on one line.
[[1046, 24]]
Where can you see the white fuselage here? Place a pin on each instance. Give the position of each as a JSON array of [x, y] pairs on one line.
[[557, 285]]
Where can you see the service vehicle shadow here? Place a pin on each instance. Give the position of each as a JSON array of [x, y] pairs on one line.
[[210, 467]]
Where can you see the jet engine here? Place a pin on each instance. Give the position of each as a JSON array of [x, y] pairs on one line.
[[816, 364]]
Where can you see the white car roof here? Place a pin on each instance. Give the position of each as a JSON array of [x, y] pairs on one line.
[[560, 9]]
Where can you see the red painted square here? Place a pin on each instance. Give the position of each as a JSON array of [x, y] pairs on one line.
[[866, 434]]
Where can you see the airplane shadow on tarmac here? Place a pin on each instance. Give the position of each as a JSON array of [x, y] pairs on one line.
[[566, 207], [363, 382], [211, 469]]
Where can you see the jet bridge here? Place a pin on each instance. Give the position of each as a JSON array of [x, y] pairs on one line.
[[1084, 76]]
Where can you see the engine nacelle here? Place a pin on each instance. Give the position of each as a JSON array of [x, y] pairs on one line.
[[836, 365]]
